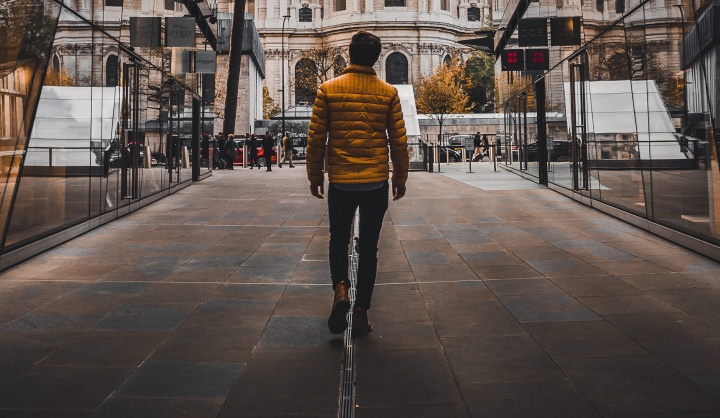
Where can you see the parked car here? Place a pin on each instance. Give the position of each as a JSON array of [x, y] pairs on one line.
[[557, 151], [261, 155], [457, 142], [455, 156], [115, 159]]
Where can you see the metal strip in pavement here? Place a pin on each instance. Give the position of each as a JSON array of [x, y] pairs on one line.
[[346, 407]]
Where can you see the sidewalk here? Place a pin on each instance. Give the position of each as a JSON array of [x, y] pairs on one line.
[[495, 298]]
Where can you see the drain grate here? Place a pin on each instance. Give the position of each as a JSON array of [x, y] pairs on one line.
[[347, 375]]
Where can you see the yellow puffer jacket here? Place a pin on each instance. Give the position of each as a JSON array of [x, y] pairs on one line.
[[355, 117]]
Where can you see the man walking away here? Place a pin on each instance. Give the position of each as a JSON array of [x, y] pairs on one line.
[[355, 117], [267, 146], [287, 148]]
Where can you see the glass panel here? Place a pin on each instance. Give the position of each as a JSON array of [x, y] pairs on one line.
[[681, 171], [27, 29], [558, 137], [339, 5], [394, 3], [98, 105]]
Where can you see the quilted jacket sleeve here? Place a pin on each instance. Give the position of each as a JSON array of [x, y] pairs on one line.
[[317, 139], [398, 142]]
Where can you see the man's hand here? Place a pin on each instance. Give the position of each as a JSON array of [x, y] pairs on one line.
[[317, 189], [398, 192]]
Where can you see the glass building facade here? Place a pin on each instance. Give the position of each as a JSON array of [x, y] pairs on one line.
[[97, 117], [637, 95]]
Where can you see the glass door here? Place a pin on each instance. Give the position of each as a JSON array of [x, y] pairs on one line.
[[131, 138]]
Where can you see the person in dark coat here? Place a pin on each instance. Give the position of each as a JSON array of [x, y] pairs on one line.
[[218, 160], [252, 150], [221, 141], [230, 151], [267, 146], [476, 144], [485, 146]]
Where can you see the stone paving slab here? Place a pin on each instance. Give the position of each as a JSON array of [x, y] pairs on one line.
[[495, 297]]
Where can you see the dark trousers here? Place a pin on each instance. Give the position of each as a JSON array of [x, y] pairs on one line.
[[268, 160], [341, 207]]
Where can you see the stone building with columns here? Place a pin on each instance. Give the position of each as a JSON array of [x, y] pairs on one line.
[[417, 35]]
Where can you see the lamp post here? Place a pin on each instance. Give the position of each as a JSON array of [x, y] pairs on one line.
[[282, 73]]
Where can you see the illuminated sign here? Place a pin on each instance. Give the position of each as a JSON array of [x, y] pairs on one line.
[[537, 59], [512, 60], [565, 31]]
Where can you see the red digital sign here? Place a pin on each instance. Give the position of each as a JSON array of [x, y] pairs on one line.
[[537, 59], [512, 60]]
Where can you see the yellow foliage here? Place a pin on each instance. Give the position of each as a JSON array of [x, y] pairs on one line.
[[443, 92], [58, 79]]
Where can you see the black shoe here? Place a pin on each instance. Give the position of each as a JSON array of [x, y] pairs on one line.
[[279, 165], [361, 326], [341, 305], [292, 166], [269, 169]]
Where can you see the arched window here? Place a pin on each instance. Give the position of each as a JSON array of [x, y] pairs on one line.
[[111, 71], [339, 65], [394, 3], [56, 64], [396, 69], [473, 14], [305, 15], [447, 60], [306, 81]]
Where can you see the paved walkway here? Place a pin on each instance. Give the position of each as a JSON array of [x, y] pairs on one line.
[[495, 298]]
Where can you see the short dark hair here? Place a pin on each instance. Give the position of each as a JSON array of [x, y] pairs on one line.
[[364, 48]]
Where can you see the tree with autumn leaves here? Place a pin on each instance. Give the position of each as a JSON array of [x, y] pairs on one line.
[[316, 66], [444, 93]]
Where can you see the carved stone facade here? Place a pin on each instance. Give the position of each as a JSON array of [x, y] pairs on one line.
[[420, 30]]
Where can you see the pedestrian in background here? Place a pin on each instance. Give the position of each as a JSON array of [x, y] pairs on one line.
[[485, 148], [477, 155], [221, 141], [253, 151], [230, 151], [356, 116], [287, 149], [267, 147], [218, 159]]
